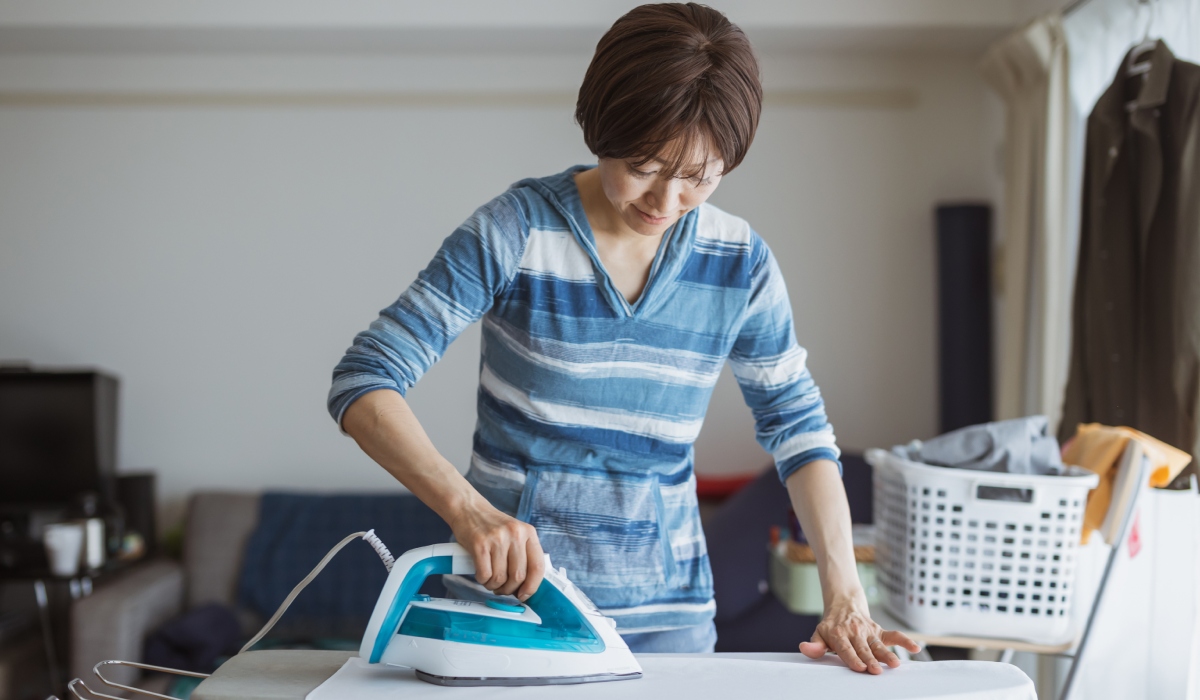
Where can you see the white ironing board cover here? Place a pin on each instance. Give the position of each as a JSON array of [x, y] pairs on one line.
[[701, 677]]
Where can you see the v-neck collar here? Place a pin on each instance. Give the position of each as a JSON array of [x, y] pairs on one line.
[[562, 192]]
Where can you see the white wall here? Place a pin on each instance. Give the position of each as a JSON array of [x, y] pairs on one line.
[[219, 257]]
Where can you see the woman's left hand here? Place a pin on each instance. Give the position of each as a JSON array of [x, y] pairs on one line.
[[848, 631]]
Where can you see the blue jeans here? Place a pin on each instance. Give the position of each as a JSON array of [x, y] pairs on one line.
[[698, 639]]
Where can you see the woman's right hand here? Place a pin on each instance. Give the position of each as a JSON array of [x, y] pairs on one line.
[[508, 556]]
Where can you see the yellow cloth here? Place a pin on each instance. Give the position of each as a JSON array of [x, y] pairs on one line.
[[1098, 448]]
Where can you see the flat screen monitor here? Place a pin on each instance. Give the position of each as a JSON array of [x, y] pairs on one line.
[[57, 436]]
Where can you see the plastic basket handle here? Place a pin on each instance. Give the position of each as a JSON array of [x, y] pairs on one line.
[[983, 491]]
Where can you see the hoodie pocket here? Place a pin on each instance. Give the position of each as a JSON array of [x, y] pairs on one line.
[[606, 530]]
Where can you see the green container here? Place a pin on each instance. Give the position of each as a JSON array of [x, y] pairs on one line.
[[798, 586]]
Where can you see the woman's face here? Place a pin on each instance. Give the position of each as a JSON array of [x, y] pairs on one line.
[[649, 202]]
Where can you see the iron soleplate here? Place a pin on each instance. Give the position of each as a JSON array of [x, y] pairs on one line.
[[530, 680]]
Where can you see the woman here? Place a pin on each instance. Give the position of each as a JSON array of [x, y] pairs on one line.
[[611, 296]]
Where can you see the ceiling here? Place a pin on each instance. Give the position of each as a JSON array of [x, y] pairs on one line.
[[524, 26]]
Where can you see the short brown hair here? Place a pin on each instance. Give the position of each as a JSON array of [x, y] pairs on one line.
[[671, 71]]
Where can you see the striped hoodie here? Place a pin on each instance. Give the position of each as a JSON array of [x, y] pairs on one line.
[[588, 405]]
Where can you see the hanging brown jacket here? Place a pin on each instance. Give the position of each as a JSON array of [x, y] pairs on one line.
[[1135, 355]]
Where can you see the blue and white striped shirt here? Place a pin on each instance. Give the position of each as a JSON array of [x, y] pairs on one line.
[[588, 405]]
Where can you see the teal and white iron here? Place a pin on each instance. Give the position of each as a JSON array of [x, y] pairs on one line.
[[557, 637]]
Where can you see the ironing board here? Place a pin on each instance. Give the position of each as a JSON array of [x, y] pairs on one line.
[[293, 675]]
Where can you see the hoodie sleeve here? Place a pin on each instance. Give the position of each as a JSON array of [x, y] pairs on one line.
[[473, 267], [770, 368]]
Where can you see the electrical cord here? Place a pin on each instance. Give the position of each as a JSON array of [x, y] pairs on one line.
[[371, 539]]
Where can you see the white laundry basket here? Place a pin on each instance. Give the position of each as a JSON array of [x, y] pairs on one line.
[[976, 553]]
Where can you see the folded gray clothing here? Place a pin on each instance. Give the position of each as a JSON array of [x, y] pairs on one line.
[[1017, 446]]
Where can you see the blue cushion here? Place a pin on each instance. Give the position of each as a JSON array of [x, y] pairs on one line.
[[293, 533]]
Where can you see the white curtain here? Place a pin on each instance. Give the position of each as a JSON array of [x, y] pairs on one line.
[[1029, 70], [1050, 75]]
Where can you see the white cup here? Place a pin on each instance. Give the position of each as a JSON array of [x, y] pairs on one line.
[[64, 545]]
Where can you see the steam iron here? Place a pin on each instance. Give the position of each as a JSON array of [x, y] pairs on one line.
[[558, 637]]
